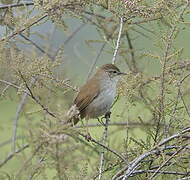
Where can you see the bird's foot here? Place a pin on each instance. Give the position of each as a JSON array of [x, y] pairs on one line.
[[107, 115], [101, 121]]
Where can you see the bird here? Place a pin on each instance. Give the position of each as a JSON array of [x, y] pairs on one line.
[[96, 96]]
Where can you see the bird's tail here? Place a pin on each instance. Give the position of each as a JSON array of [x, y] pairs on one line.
[[73, 115]]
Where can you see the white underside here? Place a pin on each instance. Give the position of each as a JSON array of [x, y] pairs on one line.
[[102, 104]]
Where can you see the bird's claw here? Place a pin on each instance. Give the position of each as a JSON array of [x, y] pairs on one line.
[[101, 121]]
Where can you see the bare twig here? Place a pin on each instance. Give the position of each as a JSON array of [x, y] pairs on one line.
[[179, 95], [160, 172], [7, 6], [34, 44], [24, 28], [4, 90], [24, 164], [123, 124], [64, 82], [183, 100], [163, 164], [4, 143], [135, 69], [13, 85], [12, 154], [69, 38], [184, 178], [18, 111], [118, 41], [171, 33], [34, 98], [104, 146], [104, 139], [133, 165], [174, 136], [58, 165], [161, 117], [95, 60]]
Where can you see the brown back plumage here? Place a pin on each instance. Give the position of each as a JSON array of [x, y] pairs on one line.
[[86, 95]]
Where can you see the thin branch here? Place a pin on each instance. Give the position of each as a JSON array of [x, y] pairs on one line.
[[69, 38], [104, 139], [24, 164], [123, 124], [133, 165], [4, 90], [95, 60], [34, 44], [58, 165], [161, 117], [132, 53], [4, 143], [104, 146], [184, 178], [8, 6], [179, 95], [185, 105], [64, 82], [13, 85], [174, 136], [34, 98], [11, 155], [118, 41], [163, 164], [23, 29], [160, 172], [18, 111], [169, 41]]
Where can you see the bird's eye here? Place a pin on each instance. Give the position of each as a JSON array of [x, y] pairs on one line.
[[114, 72]]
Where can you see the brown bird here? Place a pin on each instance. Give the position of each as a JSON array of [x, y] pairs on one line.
[[96, 97]]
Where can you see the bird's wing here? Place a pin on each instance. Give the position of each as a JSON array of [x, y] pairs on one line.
[[86, 95]]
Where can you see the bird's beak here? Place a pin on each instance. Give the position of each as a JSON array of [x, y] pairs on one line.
[[122, 73]]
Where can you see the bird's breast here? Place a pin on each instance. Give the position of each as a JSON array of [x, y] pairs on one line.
[[102, 103]]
